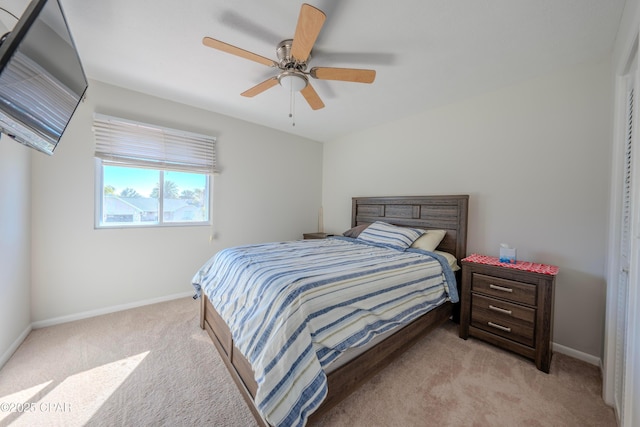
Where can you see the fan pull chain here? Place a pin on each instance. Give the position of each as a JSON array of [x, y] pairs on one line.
[[292, 107]]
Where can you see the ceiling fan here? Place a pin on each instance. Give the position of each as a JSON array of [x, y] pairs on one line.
[[293, 57]]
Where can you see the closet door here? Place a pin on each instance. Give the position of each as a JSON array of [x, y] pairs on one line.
[[621, 385], [625, 251], [627, 345]]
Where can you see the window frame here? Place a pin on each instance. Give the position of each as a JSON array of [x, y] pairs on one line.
[[99, 201]]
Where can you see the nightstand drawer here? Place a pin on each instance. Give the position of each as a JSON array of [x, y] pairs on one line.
[[502, 310], [511, 321], [511, 290]]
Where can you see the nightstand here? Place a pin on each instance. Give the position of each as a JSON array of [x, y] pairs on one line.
[[509, 305], [316, 235]]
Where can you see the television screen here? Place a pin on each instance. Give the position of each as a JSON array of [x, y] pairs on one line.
[[41, 77]]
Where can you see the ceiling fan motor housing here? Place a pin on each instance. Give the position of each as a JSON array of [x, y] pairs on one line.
[[286, 61]]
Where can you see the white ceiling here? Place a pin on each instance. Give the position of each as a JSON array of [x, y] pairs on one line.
[[426, 52]]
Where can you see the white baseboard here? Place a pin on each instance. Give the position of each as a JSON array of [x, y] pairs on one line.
[[106, 310], [592, 360], [7, 354]]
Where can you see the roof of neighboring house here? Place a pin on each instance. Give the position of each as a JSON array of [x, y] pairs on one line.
[[116, 205]]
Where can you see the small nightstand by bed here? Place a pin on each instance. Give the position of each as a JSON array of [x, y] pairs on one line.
[[317, 235], [509, 305]]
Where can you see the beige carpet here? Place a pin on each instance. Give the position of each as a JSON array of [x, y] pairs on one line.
[[154, 366]]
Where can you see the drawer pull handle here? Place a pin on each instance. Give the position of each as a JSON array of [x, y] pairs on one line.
[[502, 328], [499, 310], [500, 288]]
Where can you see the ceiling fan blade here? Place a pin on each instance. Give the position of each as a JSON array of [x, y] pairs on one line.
[[310, 23], [226, 47], [343, 74], [260, 87], [312, 97]]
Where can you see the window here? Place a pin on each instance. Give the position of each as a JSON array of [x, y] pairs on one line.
[[135, 196], [150, 176]]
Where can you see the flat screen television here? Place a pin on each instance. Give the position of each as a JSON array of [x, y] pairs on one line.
[[41, 77]]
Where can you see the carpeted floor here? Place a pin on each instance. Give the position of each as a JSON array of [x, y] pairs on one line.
[[154, 366]]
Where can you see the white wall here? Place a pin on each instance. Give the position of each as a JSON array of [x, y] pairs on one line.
[[534, 159], [269, 189], [15, 265]]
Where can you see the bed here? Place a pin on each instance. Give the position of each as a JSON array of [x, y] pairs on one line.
[[344, 370]]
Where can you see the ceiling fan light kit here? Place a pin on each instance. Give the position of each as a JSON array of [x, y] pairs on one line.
[[293, 80], [293, 57]]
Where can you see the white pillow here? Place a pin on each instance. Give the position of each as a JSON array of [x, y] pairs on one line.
[[390, 235], [430, 240], [453, 262]]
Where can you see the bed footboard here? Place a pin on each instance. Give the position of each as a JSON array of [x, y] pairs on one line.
[[236, 363], [342, 381]]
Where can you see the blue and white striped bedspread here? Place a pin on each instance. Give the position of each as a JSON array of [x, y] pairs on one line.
[[294, 307]]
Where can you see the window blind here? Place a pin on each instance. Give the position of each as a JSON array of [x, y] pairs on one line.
[[127, 143]]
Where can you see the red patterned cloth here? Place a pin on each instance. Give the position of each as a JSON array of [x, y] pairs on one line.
[[519, 265]]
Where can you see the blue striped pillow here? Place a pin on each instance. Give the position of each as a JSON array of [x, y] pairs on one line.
[[390, 235]]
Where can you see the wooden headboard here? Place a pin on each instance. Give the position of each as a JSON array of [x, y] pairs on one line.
[[427, 212]]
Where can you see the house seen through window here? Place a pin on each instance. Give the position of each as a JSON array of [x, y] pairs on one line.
[[136, 196]]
